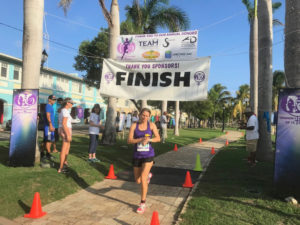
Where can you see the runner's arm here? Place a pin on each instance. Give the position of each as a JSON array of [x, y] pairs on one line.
[[131, 139]]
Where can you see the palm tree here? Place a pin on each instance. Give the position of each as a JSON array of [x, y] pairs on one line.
[[278, 82], [113, 20], [218, 96], [253, 49], [292, 43], [154, 14], [32, 48], [241, 100], [265, 39]]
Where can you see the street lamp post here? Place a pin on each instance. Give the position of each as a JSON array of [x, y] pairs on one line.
[[44, 58], [223, 127]]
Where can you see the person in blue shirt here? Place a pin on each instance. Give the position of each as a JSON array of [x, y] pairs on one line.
[[56, 106], [49, 125]]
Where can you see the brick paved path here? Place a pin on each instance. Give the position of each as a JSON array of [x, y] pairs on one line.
[[113, 202]]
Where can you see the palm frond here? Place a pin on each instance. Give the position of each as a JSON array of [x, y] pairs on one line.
[[65, 4]]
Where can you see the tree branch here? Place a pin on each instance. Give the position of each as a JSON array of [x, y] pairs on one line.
[[106, 14]]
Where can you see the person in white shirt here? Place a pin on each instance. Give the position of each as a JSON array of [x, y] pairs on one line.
[[135, 117], [163, 126], [252, 135], [95, 124], [65, 131]]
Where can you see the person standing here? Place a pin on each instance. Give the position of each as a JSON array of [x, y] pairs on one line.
[[135, 117], [140, 134], [164, 126], [56, 106], [95, 124], [49, 125], [65, 131], [252, 135]]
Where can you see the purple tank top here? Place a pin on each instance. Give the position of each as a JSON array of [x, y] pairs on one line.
[[140, 151]]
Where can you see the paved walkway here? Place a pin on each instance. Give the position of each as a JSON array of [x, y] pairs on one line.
[[112, 202]]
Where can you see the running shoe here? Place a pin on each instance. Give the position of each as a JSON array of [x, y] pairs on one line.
[[141, 209], [149, 177], [90, 160], [96, 160]]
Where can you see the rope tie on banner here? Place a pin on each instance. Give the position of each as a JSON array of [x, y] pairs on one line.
[[266, 116]]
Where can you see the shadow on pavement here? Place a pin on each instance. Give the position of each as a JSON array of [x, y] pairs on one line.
[[163, 176]]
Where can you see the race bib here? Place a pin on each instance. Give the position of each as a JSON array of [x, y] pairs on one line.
[[143, 148]]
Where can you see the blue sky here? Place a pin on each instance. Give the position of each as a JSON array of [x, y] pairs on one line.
[[223, 34]]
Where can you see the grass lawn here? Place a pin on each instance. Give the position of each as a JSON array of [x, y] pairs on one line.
[[19, 184], [231, 192]]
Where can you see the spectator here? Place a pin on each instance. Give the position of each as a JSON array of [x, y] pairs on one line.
[[95, 124], [65, 131], [163, 127], [252, 135], [56, 106], [49, 125]]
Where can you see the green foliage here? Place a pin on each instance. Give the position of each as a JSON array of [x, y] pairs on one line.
[[90, 57], [154, 14], [231, 192]]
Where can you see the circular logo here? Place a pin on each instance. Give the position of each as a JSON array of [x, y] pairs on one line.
[[199, 76], [25, 99], [151, 54], [291, 105], [109, 76]]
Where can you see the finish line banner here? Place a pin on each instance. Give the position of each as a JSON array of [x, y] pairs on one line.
[[158, 47], [172, 81]]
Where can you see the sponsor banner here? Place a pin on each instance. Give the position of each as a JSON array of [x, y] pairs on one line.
[[172, 80], [158, 47], [287, 156], [24, 127]]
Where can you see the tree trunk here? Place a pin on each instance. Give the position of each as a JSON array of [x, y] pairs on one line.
[[144, 104], [177, 114], [109, 134], [292, 43], [164, 106], [254, 64], [265, 38], [32, 49]]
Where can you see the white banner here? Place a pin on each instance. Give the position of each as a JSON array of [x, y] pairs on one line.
[[173, 81], [158, 47]]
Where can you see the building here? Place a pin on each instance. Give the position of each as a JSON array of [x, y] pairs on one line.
[[51, 82]]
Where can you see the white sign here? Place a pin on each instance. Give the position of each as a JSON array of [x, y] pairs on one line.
[[158, 47], [173, 81]]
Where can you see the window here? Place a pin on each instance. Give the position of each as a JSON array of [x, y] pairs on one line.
[[89, 91], [46, 81], [76, 87], [17, 73], [62, 84], [3, 70]]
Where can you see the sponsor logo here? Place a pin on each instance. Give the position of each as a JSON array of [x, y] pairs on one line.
[[199, 77], [25, 99], [126, 47], [151, 54], [109, 76], [168, 54], [189, 42]]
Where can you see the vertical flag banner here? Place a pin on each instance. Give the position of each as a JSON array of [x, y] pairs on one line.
[[24, 127], [158, 47], [287, 157]]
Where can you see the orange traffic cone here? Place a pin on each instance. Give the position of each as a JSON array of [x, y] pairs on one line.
[[111, 173], [227, 143], [36, 208], [200, 140], [155, 219], [188, 180], [175, 148], [212, 151]]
